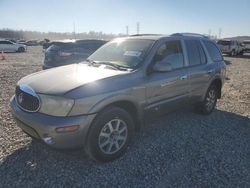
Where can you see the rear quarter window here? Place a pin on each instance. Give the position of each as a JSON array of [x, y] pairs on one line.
[[213, 51]]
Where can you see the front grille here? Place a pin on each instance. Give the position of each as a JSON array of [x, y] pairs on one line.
[[27, 99]]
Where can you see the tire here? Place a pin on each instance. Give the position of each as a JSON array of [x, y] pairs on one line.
[[21, 49], [232, 53], [207, 106], [105, 145], [241, 53]]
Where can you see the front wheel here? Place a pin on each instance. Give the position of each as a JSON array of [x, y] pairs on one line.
[[207, 106], [110, 134]]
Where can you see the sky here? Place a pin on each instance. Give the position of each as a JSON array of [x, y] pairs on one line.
[[112, 16]]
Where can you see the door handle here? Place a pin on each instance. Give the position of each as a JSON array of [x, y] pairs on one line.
[[210, 71], [183, 77]]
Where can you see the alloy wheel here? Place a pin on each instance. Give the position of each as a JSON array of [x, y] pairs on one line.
[[113, 136], [210, 99]]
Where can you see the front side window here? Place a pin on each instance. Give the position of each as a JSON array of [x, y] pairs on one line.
[[5, 42], [213, 51], [128, 53], [171, 53], [224, 42], [8, 42]]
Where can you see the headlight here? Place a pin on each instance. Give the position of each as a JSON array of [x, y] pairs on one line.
[[55, 106]]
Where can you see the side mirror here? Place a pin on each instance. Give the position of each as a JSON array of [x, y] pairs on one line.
[[162, 67]]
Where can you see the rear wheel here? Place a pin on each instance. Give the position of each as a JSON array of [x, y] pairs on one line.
[[241, 52], [207, 106], [21, 49], [110, 134], [233, 53]]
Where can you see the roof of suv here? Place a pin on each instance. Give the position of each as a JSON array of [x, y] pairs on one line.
[[159, 36]]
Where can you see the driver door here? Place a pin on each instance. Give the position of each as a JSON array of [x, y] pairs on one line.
[[165, 91]]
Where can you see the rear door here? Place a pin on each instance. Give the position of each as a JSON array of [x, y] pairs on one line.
[[165, 91], [1, 46], [10, 47], [200, 69]]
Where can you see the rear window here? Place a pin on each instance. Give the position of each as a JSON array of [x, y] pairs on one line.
[[246, 42], [224, 42], [213, 51], [195, 52]]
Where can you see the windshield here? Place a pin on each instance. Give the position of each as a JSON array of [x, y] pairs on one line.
[[128, 53], [224, 42]]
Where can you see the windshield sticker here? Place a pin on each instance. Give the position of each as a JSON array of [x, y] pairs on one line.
[[132, 53]]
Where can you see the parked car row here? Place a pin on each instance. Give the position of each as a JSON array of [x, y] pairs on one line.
[[234, 47], [9, 46], [31, 42]]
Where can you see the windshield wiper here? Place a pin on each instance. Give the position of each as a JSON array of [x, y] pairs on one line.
[[118, 67], [90, 62]]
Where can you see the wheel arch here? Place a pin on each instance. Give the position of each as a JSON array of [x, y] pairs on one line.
[[127, 103], [218, 83]]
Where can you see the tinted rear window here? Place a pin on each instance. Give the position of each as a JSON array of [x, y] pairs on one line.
[[195, 52], [246, 42], [213, 51], [224, 42]]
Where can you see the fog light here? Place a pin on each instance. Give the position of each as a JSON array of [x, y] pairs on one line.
[[67, 129], [48, 140]]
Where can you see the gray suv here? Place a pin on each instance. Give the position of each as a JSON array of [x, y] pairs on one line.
[[99, 104]]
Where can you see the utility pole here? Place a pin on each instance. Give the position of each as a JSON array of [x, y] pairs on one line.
[[74, 30], [220, 31], [138, 28], [209, 33], [127, 30]]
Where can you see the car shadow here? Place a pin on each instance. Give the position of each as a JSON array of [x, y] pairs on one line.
[[181, 133], [227, 62], [245, 56]]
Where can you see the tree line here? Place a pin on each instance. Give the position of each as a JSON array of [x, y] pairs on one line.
[[29, 35]]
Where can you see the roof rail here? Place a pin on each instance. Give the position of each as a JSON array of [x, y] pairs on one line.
[[189, 35]]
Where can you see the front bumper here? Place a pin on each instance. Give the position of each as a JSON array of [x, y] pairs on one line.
[[42, 126]]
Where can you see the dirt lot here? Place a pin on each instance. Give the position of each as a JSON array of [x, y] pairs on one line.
[[182, 149]]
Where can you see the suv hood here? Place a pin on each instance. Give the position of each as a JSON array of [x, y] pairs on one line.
[[58, 81]]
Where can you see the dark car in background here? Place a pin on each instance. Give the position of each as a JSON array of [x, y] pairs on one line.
[[64, 53], [32, 43]]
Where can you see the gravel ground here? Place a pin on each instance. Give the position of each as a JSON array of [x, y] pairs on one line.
[[182, 149]]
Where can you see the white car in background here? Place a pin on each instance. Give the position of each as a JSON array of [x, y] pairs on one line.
[[8, 46]]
